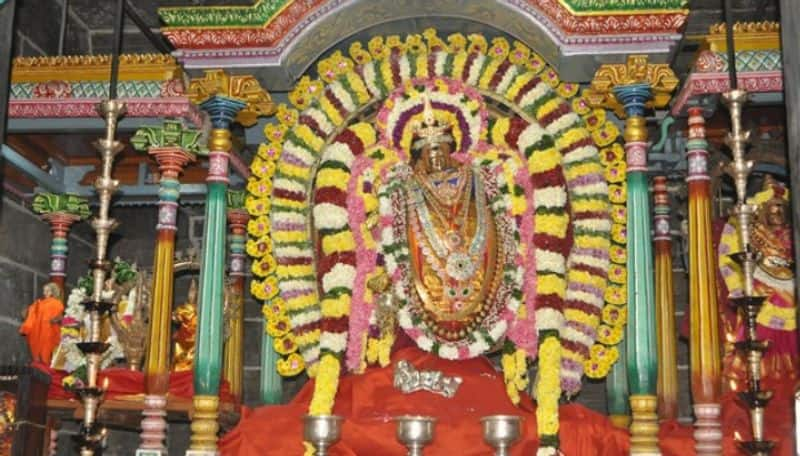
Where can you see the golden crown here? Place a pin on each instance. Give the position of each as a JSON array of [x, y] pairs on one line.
[[428, 131]]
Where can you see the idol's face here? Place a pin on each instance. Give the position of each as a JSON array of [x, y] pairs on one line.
[[436, 156], [776, 214]]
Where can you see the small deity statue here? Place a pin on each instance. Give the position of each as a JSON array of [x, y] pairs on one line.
[[771, 238], [42, 324], [131, 319], [74, 325], [185, 315], [451, 234]]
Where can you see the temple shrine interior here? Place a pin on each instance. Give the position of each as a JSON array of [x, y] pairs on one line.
[[399, 227]]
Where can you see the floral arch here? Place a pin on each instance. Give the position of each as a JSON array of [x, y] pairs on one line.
[[308, 178]]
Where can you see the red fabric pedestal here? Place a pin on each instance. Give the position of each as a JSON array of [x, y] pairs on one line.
[[369, 401], [125, 382]]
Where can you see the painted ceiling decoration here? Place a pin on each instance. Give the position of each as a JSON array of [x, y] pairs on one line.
[[283, 38], [759, 67], [71, 86]]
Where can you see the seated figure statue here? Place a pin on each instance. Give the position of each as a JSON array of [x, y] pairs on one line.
[[185, 315], [771, 238]]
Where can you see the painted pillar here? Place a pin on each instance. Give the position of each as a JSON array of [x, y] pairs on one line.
[[665, 305], [642, 353], [704, 343], [234, 362], [60, 212], [224, 98], [271, 385], [60, 223], [171, 146], [617, 394], [630, 89]]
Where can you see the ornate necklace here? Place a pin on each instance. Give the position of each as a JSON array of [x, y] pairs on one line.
[[446, 194], [459, 264]]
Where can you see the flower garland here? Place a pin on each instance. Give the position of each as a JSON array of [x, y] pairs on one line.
[[604, 353], [513, 74], [278, 317]]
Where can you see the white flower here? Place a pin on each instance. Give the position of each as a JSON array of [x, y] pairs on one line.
[[441, 58], [333, 341], [290, 185], [340, 275], [598, 188], [498, 330], [534, 94], [581, 153], [343, 96], [339, 152], [554, 196], [588, 298], [369, 79], [551, 261], [425, 343], [321, 119], [448, 351], [305, 318], [310, 353], [563, 123], [329, 216], [569, 333], [301, 153], [405, 67], [296, 284], [507, 78], [475, 70], [548, 318], [404, 319]]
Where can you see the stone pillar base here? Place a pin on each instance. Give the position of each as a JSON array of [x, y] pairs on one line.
[[154, 425], [204, 425], [644, 427], [707, 429]]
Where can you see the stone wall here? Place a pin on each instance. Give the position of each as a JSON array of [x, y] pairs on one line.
[[25, 268]]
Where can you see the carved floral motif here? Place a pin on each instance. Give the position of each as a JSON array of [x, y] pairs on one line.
[[52, 89]]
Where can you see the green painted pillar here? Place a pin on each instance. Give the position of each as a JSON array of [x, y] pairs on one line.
[[224, 98], [642, 348]]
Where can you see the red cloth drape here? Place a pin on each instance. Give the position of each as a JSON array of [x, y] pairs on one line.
[[125, 382], [369, 401]]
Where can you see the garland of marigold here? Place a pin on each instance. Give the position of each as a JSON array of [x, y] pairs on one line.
[[610, 332], [260, 244], [514, 74]]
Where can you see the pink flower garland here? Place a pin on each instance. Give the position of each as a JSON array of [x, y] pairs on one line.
[[523, 332], [360, 309]]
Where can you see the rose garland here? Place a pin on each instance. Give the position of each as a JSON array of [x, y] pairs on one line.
[[515, 75]]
